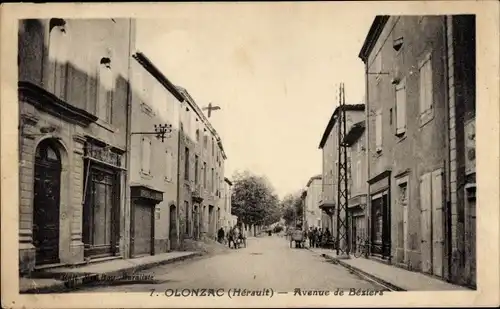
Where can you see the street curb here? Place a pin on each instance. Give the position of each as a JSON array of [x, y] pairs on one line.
[[364, 273], [88, 278]]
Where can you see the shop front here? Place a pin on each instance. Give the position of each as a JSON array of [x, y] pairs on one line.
[[101, 206], [380, 215], [144, 201], [357, 222]]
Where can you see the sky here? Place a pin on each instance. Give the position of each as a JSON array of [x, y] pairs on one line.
[[273, 69]]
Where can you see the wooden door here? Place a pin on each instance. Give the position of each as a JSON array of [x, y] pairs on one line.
[[173, 227], [143, 226], [99, 212], [437, 223], [46, 204], [425, 223]]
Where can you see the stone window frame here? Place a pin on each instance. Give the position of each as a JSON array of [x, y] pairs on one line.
[[404, 181]]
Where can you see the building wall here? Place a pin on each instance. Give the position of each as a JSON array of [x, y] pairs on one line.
[[71, 75], [313, 212], [153, 104], [330, 164], [227, 205], [420, 150], [193, 120]]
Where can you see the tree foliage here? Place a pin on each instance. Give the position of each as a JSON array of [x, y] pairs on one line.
[[254, 200], [292, 207]]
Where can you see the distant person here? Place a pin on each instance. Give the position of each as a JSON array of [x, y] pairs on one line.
[[310, 235], [220, 235], [328, 235]]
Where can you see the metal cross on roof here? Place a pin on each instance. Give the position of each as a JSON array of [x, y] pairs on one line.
[[211, 108]]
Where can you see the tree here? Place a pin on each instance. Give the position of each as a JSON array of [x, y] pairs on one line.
[[292, 208], [254, 200]]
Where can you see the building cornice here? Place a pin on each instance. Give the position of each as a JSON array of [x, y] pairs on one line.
[[373, 34], [50, 103], [156, 73], [316, 177], [333, 119]]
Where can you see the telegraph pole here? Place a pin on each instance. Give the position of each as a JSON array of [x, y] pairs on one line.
[[342, 181]]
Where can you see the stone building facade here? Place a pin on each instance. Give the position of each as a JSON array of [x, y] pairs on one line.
[[73, 139], [312, 212], [153, 168], [227, 197], [420, 96], [329, 146], [201, 173]]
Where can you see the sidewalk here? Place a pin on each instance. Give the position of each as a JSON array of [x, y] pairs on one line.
[[391, 276], [66, 278]]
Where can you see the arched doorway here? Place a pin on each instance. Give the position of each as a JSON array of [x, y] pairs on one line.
[[173, 227], [47, 187]]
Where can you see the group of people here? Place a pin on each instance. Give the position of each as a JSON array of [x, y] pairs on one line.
[[317, 236], [234, 233]]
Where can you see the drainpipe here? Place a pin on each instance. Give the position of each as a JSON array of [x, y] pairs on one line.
[[447, 161], [367, 161], [179, 135], [126, 208]]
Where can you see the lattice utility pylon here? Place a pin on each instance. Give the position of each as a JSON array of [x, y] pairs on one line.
[[342, 180]]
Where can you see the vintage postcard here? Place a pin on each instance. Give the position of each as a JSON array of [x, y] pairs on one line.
[[250, 154]]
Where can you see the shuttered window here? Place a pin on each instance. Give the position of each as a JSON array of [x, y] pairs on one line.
[[358, 174], [146, 156], [378, 131], [105, 91], [432, 222], [401, 108], [426, 87]]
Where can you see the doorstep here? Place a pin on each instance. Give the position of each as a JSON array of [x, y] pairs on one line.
[[66, 278], [393, 277]]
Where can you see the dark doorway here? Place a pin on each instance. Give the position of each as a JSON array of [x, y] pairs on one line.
[[99, 212], [173, 227], [46, 203], [196, 222]]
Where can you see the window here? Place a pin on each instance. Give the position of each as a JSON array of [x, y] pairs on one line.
[[205, 141], [188, 123], [105, 88], [58, 53], [426, 89], [146, 156], [377, 65], [168, 167], [196, 170], [213, 147], [186, 163], [205, 175], [378, 131], [212, 185], [186, 214], [197, 135], [358, 174], [401, 108], [216, 182]]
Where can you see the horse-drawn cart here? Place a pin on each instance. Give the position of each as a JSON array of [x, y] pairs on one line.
[[297, 236]]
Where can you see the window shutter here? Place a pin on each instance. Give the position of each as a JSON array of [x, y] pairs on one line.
[[149, 157], [425, 221], [428, 80], [423, 88], [358, 174], [143, 155], [437, 222], [401, 109], [378, 130]]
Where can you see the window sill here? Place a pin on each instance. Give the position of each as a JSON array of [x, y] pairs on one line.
[[106, 125], [426, 117], [146, 175]]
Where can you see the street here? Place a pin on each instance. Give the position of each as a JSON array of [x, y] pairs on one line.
[[267, 262]]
